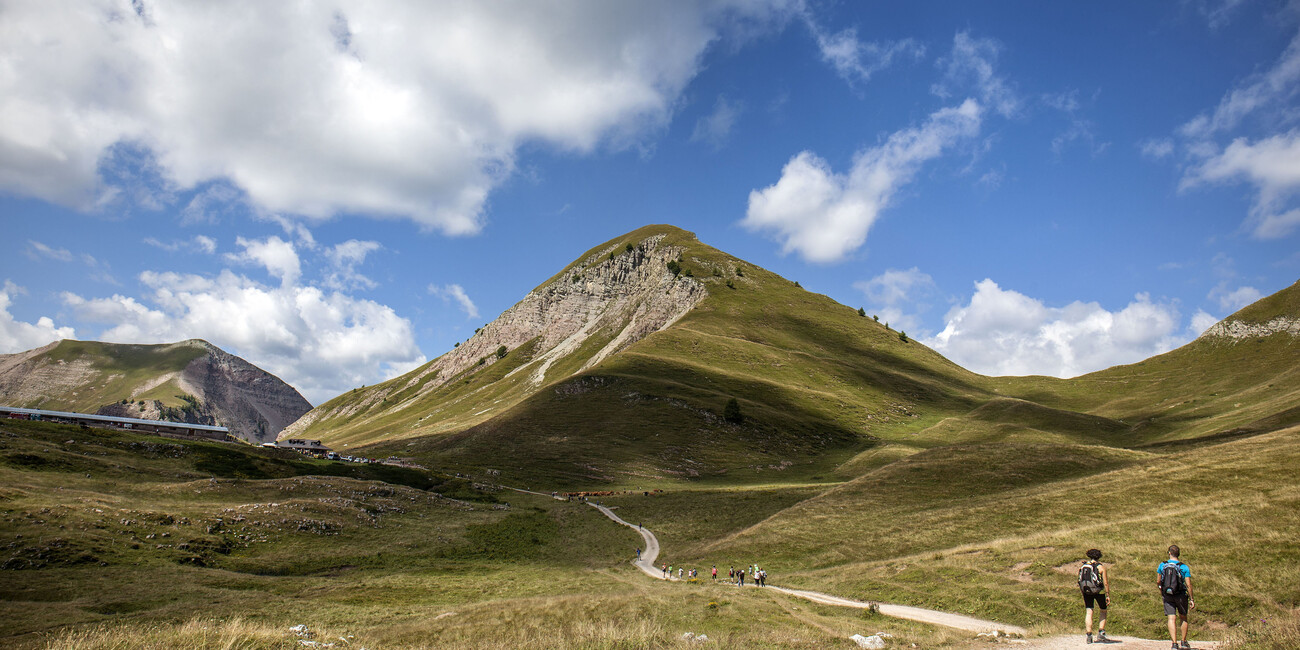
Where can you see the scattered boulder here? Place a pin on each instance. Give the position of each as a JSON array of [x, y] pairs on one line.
[[873, 642]]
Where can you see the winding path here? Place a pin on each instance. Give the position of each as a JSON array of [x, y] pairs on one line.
[[1060, 642], [651, 553]]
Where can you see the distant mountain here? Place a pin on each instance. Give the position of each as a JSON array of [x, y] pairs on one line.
[[191, 381]]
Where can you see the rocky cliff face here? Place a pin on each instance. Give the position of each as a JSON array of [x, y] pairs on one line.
[[191, 381], [603, 303], [1235, 330]]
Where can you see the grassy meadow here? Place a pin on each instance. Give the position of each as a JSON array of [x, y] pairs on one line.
[[123, 540]]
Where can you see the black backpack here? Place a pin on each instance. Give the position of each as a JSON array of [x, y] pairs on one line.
[[1171, 580], [1090, 579]]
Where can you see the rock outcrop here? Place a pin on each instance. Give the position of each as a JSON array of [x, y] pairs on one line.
[[614, 296], [1235, 330], [191, 381]]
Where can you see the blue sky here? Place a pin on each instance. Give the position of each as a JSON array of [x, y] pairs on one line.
[[340, 192]]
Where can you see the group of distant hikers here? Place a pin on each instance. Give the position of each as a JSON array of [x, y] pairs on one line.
[[757, 576], [1173, 579]]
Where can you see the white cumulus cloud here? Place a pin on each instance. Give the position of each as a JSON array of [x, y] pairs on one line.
[[386, 108], [18, 336], [1004, 332], [277, 256], [824, 215], [321, 342], [344, 259]]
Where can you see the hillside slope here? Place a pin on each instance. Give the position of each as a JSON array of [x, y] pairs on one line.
[[619, 367], [617, 370], [191, 381]]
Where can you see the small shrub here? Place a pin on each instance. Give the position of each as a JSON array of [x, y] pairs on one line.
[[457, 344], [482, 360], [731, 285], [739, 273], [717, 273], [731, 413], [501, 352], [862, 312], [688, 273], [875, 318], [902, 336], [797, 285], [628, 247], [674, 267], [611, 255]]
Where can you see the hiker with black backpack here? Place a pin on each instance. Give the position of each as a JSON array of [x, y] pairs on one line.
[[1175, 583], [1095, 585]]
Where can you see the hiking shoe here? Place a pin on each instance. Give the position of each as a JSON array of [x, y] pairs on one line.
[[1185, 646], [1175, 647], [1089, 637], [1101, 637]]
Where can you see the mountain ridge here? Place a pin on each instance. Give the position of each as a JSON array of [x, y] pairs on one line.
[[191, 381]]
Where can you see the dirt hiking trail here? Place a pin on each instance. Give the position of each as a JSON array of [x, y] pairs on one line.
[[650, 553]]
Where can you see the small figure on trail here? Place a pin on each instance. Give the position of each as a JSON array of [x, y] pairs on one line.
[[762, 578], [1095, 585], [731, 573], [1175, 583], [666, 569], [740, 578], [715, 573], [638, 553], [679, 573]]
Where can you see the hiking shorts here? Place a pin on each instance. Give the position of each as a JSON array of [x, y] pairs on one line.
[[1100, 599], [1176, 605]]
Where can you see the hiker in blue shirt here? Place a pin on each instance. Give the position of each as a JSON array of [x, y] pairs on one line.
[[1174, 579]]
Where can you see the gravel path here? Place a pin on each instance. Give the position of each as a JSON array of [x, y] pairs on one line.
[[1063, 642]]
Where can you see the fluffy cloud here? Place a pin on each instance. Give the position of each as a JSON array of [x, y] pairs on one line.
[[1003, 332], [277, 256], [322, 343], [823, 215], [17, 336], [390, 108], [1272, 165], [344, 260], [455, 292]]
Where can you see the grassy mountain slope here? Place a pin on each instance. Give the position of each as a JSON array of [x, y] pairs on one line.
[[816, 382], [82, 376], [998, 529], [819, 385]]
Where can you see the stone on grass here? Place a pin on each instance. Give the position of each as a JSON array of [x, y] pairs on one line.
[[873, 642]]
